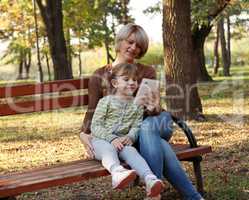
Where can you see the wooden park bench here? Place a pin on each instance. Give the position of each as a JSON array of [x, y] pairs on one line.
[[14, 184]]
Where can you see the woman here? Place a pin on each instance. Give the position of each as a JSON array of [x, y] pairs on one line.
[[132, 43]]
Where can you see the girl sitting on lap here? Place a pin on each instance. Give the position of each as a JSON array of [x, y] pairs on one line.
[[115, 126]]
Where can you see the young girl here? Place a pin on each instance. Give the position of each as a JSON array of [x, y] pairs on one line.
[[115, 126]]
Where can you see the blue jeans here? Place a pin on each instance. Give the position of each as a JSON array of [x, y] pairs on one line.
[[161, 157]]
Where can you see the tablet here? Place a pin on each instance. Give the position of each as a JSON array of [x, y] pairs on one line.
[[147, 86]]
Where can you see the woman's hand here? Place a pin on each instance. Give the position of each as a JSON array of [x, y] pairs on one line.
[[117, 143], [86, 141], [152, 102]]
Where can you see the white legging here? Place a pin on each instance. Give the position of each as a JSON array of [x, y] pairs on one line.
[[107, 153]]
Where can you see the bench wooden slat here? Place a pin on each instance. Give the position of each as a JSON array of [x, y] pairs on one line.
[[48, 172], [42, 88], [42, 105], [17, 183], [185, 152], [59, 175]]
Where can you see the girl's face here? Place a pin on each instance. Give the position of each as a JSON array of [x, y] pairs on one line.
[[125, 86], [129, 49]]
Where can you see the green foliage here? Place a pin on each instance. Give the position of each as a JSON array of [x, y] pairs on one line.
[[200, 11], [17, 23], [93, 21], [154, 56], [155, 9]]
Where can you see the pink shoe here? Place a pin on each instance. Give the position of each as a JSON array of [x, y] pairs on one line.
[[122, 178], [154, 186]]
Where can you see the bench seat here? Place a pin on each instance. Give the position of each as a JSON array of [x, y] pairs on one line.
[[44, 97], [17, 183]]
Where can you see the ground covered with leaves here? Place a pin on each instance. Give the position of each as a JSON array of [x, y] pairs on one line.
[[43, 139]]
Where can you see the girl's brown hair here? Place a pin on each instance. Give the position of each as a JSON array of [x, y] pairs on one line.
[[123, 69]]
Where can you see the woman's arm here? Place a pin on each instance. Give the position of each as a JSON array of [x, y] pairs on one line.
[[94, 94]]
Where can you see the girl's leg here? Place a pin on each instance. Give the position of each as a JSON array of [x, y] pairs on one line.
[[151, 130], [175, 174], [130, 155], [106, 152]]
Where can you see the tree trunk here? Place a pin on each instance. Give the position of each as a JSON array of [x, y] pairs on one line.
[[29, 55], [20, 67], [226, 70], [27, 64], [228, 41], [48, 67], [107, 41], [37, 46], [181, 82], [79, 57], [216, 62], [199, 36], [51, 13], [69, 48], [47, 60]]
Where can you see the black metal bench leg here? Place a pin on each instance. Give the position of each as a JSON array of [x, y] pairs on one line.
[[7, 198], [198, 176]]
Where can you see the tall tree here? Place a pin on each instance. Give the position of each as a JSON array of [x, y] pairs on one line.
[[182, 93], [37, 44], [224, 52], [228, 40], [16, 21], [51, 12], [216, 61], [202, 15]]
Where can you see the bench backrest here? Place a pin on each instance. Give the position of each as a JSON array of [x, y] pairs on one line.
[[46, 96]]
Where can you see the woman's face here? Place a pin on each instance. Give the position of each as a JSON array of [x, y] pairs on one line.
[[129, 49]]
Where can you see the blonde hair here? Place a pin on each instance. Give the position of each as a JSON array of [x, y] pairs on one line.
[[140, 36]]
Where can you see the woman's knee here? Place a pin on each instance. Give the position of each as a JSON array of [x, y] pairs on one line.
[[166, 125], [161, 125], [150, 123]]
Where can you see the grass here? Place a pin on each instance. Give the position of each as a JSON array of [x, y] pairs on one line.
[[42, 139]]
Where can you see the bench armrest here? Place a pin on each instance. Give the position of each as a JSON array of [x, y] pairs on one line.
[[191, 138]]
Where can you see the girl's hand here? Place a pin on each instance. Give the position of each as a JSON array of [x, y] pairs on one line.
[[117, 143], [86, 141], [126, 140]]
